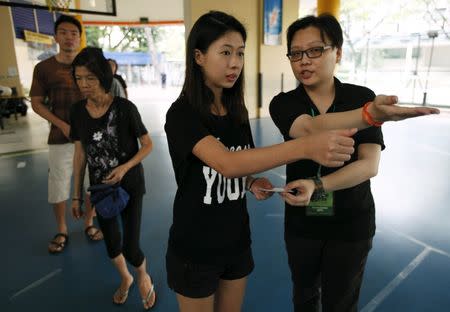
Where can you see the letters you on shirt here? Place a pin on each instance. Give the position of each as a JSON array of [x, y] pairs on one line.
[[219, 187]]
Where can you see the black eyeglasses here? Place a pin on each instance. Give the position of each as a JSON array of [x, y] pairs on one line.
[[297, 55]]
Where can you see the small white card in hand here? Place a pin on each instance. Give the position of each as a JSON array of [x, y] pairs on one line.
[[275, 190]]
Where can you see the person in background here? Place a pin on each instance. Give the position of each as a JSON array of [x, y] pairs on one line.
[[119, 78], [106, 130], [163, 80], [52, 80]]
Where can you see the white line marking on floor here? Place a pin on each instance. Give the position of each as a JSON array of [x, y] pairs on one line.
[[21, 164], [418, 242], [433, 149], [276, 215], [386, 291], [35, 284], [278, 174], [23, 153]]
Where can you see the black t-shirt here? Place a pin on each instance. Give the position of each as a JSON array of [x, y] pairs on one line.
[[110, 140], [210, 219], [354, 209]]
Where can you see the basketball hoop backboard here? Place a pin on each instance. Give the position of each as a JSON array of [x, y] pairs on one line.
[[99, 7]]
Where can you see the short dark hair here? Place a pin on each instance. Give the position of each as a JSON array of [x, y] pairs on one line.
[[94, 60], [68, 19], [115, 64], [327, 24], [207, 29]]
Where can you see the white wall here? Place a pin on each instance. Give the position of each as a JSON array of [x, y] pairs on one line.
[[246, 12], [274, 61], [132, 10], [25, 64]]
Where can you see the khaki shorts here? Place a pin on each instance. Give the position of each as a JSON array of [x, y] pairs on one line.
[[60, 164]]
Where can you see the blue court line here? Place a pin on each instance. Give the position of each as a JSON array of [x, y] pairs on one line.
[[35, 284]]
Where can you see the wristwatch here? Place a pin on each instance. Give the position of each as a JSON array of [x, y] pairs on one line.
[[319, 192]]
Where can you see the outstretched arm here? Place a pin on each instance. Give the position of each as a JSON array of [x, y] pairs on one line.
[[351, 175], [382, 109], [330, 148]]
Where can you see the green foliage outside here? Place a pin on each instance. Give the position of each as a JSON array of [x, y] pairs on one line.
[[166, 39]]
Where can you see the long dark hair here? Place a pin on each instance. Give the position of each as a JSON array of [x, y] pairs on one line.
[[207, 29]]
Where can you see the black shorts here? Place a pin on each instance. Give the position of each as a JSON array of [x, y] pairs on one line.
[[194, 280]]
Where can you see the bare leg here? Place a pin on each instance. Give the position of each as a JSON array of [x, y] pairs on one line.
[[195, 304], [95, 233], [59, 209], [145, 284], [121, 294], [90, 211], [230, 295]]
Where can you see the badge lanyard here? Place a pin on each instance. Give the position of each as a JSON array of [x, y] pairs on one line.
[[323, 207]]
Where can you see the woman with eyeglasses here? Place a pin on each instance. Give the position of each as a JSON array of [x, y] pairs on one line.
[[329, 237], [209, 254]]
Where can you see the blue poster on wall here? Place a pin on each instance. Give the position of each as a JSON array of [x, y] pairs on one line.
[[272, 22]]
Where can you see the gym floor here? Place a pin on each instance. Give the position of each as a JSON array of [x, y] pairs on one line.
[[408, 268]]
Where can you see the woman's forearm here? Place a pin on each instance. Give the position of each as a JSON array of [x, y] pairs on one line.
[[79, 168], [144, 150]]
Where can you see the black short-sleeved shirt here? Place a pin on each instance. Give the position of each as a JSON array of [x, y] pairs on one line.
[[354, 217], [110, 140], [210, 219]]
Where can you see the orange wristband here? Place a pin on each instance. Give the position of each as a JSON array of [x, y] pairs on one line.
[[368, 118]]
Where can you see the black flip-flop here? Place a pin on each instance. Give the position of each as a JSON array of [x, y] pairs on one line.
[[92, 235], [61, 245]]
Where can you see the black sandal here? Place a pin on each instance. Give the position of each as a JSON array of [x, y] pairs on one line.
[[60, 246], [94, 234]]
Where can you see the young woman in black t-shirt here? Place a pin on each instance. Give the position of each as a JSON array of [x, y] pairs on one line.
[[106, 130], [211, 147], [328, 239]]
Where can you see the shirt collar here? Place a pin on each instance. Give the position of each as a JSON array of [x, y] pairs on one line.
[[300, 91]]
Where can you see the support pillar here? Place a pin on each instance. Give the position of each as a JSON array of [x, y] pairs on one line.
[[329, 6]]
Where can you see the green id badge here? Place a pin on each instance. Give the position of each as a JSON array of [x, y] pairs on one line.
[[321, 208]]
